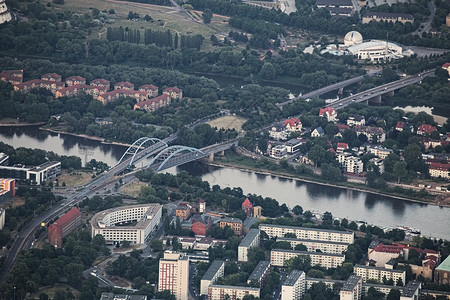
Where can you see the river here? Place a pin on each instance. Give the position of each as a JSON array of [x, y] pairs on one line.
[[434, 221]]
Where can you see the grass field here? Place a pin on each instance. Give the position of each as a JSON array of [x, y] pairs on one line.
[[164, 18], [228, 122], [74, 179], [133, 189]]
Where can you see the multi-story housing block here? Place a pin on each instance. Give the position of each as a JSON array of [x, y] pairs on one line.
[[215, 271], [174, 93], [278, 257], [220, 292], [174, 275], [379, 274], [352, 289], [293, 287], [250, 240], [234, 223], [314, 245], [273, 230]]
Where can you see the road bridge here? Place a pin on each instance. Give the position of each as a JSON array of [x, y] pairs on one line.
[[374, 94]]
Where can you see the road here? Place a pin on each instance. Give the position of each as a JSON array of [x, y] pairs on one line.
[[329, 88], [380, 90], [427, 25]]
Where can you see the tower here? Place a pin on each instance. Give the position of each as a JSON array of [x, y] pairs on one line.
[[174, 274], [202, 206], [247, 206]]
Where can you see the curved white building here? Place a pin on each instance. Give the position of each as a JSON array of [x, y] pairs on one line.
[[5, 14], [376, 51], [112, 223], [352, 38]]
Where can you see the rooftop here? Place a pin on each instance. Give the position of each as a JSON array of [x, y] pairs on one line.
[[248, 239], [293, 277], [389, 15], [379, 268], [231, 287], [231, 220], [98, 220], [351, 282], [259, 271], [213, 269], [312, 241], [410, 289], [445, 265]]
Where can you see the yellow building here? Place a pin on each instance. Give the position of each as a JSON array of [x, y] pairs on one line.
[[234, 223]]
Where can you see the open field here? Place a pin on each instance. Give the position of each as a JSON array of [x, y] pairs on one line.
[[75, 179], [228, 122], [133, 189], [50, 291], [164, 18]]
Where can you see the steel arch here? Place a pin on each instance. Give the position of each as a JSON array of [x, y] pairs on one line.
[[170, 152], [136, 146]]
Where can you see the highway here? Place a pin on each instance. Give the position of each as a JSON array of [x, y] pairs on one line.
[[380, 90]]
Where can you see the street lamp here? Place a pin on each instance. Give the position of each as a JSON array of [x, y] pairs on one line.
[[14, 293]]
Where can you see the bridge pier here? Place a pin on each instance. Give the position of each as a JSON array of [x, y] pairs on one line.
[[211, 157], [390, 94], [341, 90], [376, 99]]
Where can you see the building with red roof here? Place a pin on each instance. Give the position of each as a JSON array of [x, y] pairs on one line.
[[329, 113], [446, 67], [425, 129], [293, 124], [247, 206], [12, 76], [382, 253], [101, 82], [174, 93], [74, 80], [341, 147], [63, 226], [150, 88], [124, 85], [154, 103], [51, 77], [439, 170]]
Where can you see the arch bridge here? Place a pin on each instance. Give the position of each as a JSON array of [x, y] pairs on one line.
[[143, 146], [175, 156]]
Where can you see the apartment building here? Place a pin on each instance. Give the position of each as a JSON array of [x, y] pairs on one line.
[[214, 271], [250, 240], [313, 245], [220, 292], [174, 275], [352, 288], [378, 274], [233, 223], [278, 257], [293, 287], [278, 231]]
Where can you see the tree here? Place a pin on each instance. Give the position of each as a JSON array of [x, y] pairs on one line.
[[207, 16], [394, 294], [316, 273], [156, 245], [300, 247], [268, 71], [353, 225], [317, 154], [298, 210], [399, 170]]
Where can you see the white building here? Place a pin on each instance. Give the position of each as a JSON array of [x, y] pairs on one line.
[[278, 152], [352, 289], [219, 292], [250, 240], [293, 287], [356, 120], [146, 216], [377, 273], [2, 218], [376, 51], [411, 291], [379, 151], [313, 245], [278, 257], [293, 145], [214, 271], [5, 14], [352, 38], [279, 231], [279, 132], [377, 162], [174, 275], [354, 165]]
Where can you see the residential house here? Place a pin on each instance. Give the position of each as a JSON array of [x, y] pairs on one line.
[[278, 152], [404, 126], [101, 82], [124, 85], [439, 170], [356, 120], [154, 103], [329, 113], [118, 93], [379, 151], [51, 77], [150, 89], [75, 80], [341, 147], [174, 93], [293, 124], [425, 129], [183, 210], [446, 66], [293, 145], [378, 162], [12, 76], [350, 163], [317, 132], [373, 134], [387, 17], [278, 132], [234, 223]]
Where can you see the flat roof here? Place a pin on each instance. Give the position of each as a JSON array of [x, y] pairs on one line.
[[231, 220], [46, 165], [152, 210], [379, 268], [249, 238], [213, 269], [259, 271], [313, 241], [445, 265], [293, 277], [232, 287], [308, 253], [351, 282], [410, 289], [306, 228]]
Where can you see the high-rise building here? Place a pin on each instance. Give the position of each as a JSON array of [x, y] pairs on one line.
[[293, 287], [352, 288], [63, 226], [174, 274]]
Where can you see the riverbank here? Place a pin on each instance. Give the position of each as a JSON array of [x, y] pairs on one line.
[[16, 123], [85, 136], [310, 180]]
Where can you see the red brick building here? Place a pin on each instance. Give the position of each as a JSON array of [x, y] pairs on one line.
[[63, 226], [247, 206]]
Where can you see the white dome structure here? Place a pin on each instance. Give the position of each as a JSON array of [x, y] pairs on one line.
[[353, 38]]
